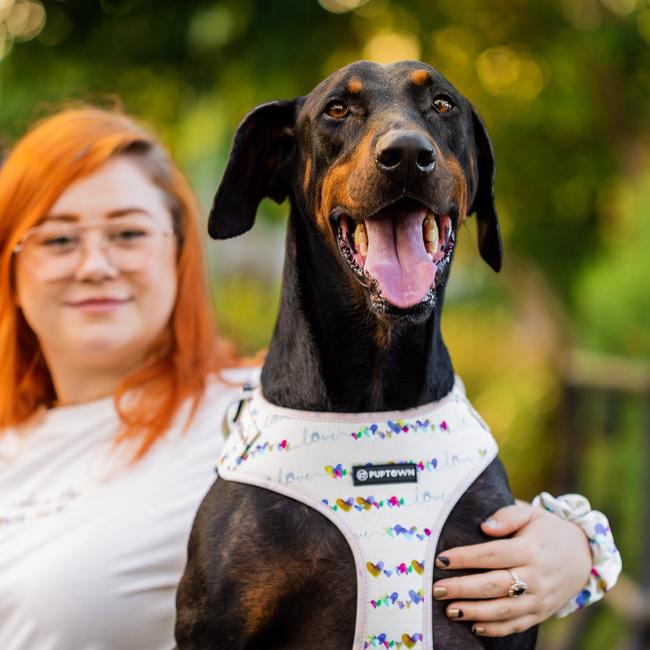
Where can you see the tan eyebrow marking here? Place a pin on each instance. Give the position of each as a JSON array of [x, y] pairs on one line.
[[420, 77], [355, 85]]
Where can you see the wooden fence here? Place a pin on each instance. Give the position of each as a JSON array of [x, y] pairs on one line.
[[612, 381]]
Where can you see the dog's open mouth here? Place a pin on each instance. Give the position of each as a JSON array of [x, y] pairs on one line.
[[400, 253]]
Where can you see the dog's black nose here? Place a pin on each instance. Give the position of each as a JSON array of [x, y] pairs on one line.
[[404, 151]]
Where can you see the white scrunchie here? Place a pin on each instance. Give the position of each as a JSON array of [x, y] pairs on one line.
[[607, 563]]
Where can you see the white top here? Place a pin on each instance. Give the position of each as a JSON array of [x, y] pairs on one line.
[[92, 549]]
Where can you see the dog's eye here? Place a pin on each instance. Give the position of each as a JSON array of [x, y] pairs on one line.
[[442, 104], [337, 110]]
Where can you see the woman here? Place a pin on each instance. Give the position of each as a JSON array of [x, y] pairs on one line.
[[112, 401]]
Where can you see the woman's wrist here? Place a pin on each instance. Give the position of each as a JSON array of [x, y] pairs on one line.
[[606, 560]]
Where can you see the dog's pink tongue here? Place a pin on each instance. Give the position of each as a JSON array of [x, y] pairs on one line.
[[397, 258]]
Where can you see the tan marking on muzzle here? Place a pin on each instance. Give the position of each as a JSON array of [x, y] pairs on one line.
[[459, 191], [420, 77], [336, 188]]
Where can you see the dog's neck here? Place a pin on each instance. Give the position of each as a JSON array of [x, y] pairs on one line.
[[330, 353]]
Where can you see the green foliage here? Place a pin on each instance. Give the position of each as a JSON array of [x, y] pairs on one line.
[[613, 294], [247, 312]]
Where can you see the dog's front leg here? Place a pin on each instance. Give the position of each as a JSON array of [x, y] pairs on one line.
[[227, 594], [264, 573]]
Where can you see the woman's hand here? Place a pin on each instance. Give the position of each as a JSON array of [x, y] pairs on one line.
[[549, 554]]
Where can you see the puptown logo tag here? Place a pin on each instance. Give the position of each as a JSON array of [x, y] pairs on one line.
[[381, 474]]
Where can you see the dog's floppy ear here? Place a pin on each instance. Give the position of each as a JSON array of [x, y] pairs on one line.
[[489, 232], [261, 145]]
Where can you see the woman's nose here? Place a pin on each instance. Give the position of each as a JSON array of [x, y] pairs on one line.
[[94, 262]]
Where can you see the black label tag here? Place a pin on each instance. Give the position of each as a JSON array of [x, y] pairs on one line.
[[378, 474]]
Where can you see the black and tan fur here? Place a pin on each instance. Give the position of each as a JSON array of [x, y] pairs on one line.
[[264, 572]]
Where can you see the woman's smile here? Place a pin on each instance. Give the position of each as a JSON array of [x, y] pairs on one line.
[[99, 305]]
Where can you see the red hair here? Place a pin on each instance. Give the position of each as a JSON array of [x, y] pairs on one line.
[[54, 153]]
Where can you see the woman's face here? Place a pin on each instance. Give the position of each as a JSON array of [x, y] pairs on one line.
[[97, 281]]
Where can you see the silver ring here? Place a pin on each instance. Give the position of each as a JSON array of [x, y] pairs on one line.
[[518, 586]]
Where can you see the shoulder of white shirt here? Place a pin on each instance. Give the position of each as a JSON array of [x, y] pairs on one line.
[[239, 376]]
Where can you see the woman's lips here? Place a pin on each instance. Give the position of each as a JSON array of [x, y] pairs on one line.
[[99, 305]]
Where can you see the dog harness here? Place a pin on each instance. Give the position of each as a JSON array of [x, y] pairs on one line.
[[387, 480]]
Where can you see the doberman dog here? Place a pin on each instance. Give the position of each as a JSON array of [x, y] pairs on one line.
[[382, 164]]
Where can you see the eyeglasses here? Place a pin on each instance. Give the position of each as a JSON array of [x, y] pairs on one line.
[[53, 250]]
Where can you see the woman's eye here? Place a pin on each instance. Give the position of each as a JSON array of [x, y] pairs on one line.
[[337, 110], [59, 241], [128, 235], [442, 105]]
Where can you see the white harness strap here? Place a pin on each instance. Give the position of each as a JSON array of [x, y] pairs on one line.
[[388, 481]]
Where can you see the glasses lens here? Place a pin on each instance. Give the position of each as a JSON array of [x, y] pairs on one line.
[[49, 251], [132, 244], [54, 251]]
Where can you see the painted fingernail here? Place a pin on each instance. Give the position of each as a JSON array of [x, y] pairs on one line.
[[442, 562], [455, 613], [439, 592], [491, 523], [477, 629]]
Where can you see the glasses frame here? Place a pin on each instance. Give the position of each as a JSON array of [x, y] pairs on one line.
[[19, 247]]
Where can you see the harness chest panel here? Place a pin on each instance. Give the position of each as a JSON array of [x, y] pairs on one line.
[[388, 481]]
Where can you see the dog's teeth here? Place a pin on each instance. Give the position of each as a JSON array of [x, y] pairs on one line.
[[430, 234], [360, 235], [430, 231], [431, 247], [361, 239]]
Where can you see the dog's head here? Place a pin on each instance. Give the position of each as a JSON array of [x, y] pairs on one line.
[[384, 162]]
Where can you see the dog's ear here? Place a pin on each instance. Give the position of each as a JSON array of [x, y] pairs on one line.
[[489, 232], [263, 142]]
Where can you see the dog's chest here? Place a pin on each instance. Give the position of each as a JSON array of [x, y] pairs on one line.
[[388, 481]]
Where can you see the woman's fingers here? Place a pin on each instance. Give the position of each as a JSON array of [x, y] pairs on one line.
[[499, 554], [493, 584], [509, 519], [551, 555], [495, 613], [488, 611], [504, 628]]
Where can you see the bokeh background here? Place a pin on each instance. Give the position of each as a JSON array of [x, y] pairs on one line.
[[555, 350]]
